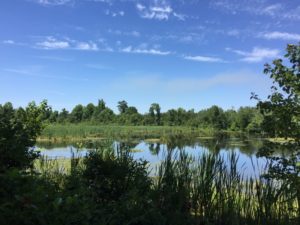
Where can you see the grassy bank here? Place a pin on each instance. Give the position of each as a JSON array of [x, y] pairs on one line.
[[56, 132]]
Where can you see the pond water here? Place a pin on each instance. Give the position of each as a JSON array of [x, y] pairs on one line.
[[154, 150]]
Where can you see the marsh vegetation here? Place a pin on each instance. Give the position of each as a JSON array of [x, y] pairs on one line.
[[110, 186]]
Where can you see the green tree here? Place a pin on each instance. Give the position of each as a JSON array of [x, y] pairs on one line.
[[106, 116], [155, 113], [18, 131], [76, 114], [53, 117], [245, 116], [88, 111], [281, 118], [122, 106], [63, 116], [215, 117]]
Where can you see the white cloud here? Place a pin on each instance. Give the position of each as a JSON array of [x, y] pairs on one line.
[[233, 32], [10, 42], [203, 59], [160, 10], [140, 7], [87, 46], [133, 33], [293, 14], [179, 16], [259, 7], [52, 43], [281, 36], [271, 10], [67, 43], [114, 13], [257, 54], [52, 2], [150, 51]]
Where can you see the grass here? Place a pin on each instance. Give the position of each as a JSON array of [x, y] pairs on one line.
[[58, 132], [208, 189]]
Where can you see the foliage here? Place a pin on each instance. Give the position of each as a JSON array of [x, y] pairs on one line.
[[245, 119], [281, 118], [19, 129]]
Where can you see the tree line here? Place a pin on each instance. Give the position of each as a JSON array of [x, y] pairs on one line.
[[243, 119]]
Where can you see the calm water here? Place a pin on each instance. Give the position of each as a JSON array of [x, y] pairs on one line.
[[154, 151]]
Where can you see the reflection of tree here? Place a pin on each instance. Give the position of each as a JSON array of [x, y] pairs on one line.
[[127, 145], [179, 141], [154, 148], [250, 147]]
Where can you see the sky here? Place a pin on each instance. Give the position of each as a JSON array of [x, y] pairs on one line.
[[179, 53]]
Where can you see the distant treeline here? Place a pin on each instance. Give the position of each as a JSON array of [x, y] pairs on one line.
[[243, 119]]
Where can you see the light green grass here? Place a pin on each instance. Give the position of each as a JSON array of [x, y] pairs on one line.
[[58, 132]]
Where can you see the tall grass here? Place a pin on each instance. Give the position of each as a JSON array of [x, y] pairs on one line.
[[82, 131], [208, 189], [211, 190]]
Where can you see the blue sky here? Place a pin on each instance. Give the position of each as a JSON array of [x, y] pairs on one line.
[[179, 53]]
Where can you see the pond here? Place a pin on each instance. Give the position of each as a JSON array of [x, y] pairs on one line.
[[155, 150]]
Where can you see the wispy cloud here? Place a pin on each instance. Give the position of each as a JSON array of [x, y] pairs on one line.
[[258, 7], [149, 51], [53, 43], [67, 43], [181, 17], [159, 10], [185, 84], [233, 32], [203, 59], [133, 33], [281, 36], [270, 10], [52, 2], [114, 13], [257, 54], [223, 79], [37, 71], [55, 58], [97, 66], [9, 42], [87, 46]]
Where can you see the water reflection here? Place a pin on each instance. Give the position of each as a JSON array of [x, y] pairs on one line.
[[154, 150], [215, 145]]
